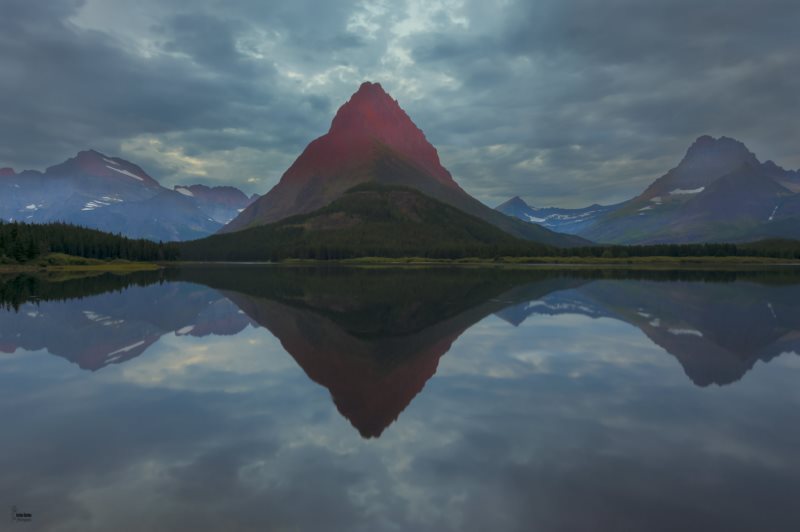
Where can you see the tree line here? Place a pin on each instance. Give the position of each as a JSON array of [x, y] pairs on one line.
[[778, 248], [21, 242]]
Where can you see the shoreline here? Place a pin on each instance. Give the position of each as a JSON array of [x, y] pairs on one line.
[[99, 268], [547, 262], [505, 262]]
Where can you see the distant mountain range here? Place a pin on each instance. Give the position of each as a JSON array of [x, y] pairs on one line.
[[719, 192], [571, 221], [115, 195], [222, 203]]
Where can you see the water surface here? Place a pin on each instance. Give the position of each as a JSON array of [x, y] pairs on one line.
[[257, 398]]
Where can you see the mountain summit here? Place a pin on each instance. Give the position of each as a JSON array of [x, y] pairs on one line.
[[93, 164], [372, 140], [706, 160], [372, 115]]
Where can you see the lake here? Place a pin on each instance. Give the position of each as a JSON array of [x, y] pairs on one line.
[[369, 399]]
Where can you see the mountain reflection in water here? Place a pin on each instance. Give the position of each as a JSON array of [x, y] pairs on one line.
[[374, 337], [369, 399]]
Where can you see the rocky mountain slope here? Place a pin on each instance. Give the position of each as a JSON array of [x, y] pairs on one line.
[[115, 195], [371, 139]]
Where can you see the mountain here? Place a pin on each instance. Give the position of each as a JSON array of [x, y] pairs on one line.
[[222, 203], [719, 192], [706, 160], [371, 139], [367, 220], [89, 166], [114, 195], [569, 221]]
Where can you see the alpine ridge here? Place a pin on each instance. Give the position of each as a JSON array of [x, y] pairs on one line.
[[718, 192], [111, 194]]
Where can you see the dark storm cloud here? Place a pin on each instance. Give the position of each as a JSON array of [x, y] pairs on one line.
[[207, 40], [72, 88], [563, 102], [630, 83]]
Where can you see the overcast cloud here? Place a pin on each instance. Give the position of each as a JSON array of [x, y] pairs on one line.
[[563, 102]]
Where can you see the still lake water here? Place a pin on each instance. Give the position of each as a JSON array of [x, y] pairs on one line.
[[258, 398]]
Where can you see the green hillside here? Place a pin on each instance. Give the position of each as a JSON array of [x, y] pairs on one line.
[[368, 220]]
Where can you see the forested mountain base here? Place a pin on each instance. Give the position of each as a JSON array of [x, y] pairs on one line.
[[22, 243]]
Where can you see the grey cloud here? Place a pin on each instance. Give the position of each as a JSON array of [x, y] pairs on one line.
[[209, 41], [631, 83], [622, 79], [80, 87]]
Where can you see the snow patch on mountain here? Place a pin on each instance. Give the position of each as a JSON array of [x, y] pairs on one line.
[[684, 191], [95, 204], [94, 316], [772, 216], [534, 219], [125, 172], [772, 310], [685, 332], [126, 348]]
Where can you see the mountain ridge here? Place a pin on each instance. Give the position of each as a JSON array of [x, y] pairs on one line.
[[719, 192], [111, 194]]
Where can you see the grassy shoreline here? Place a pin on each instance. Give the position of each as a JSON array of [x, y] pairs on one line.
[[592, 261], [58, 262], [521, 262], [66, 263]]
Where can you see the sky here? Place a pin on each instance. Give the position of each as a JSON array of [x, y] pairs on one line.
[[563, 102]]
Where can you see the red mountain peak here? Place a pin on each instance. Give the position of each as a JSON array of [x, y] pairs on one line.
[[370, 116], [370, 111], [7, 172], [371, 138]]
